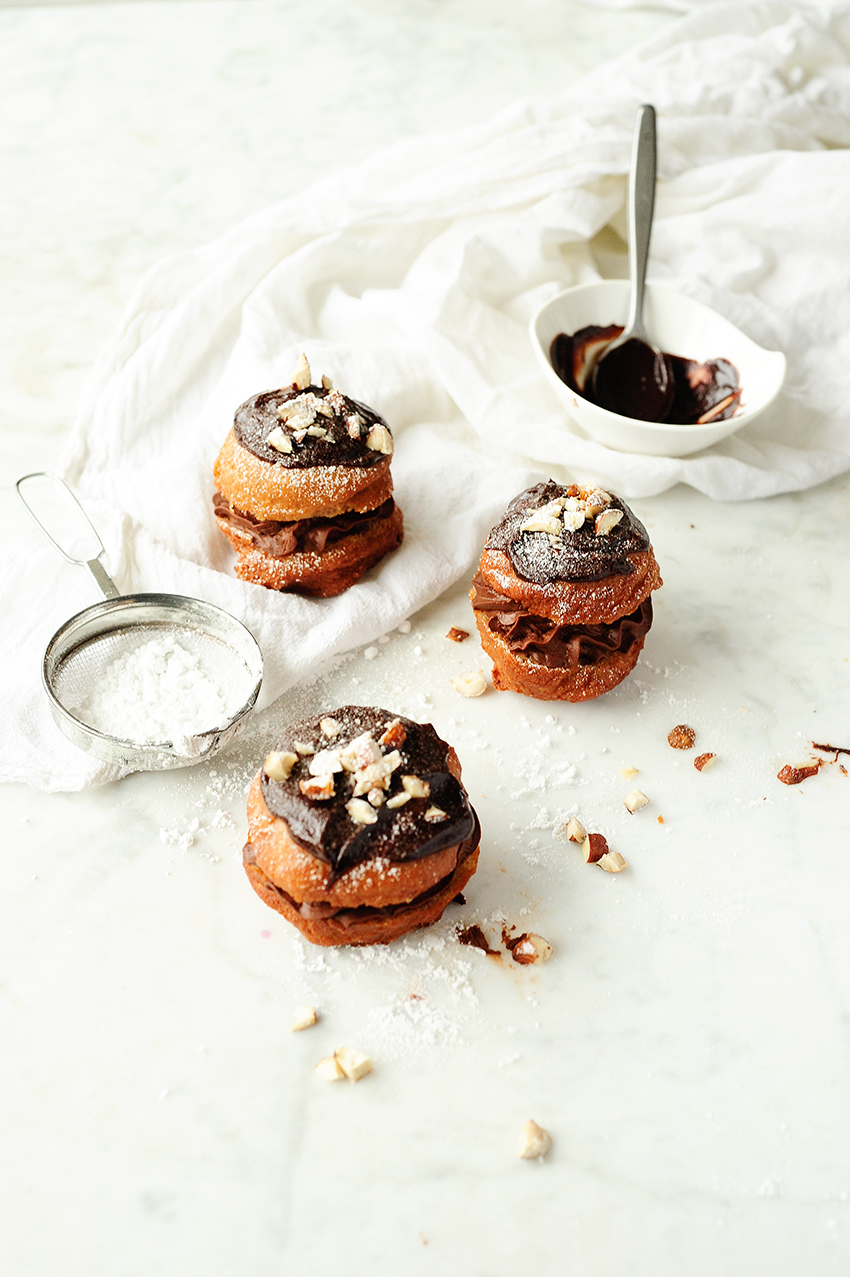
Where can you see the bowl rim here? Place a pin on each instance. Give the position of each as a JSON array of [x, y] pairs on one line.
[[658, 427]]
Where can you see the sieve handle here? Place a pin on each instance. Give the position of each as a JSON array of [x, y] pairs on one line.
[[95, 568]]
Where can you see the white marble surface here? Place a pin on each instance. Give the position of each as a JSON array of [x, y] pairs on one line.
[[687, 1043]]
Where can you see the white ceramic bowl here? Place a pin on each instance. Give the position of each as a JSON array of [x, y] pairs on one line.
[[679, 325]]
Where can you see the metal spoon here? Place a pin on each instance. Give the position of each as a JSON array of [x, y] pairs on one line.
[[632, 376]]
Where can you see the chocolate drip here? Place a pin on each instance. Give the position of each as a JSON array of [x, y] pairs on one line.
[[325, 829], [557, 646], [582, 555], [257, 417], [301, 535]]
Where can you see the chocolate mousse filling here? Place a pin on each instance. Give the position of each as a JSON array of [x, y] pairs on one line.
[[554, 646], [303, 536]]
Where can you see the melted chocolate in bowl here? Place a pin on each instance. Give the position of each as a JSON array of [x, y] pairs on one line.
[[631, 387]]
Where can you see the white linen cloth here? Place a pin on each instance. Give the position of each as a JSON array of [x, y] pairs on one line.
[[410, 280]]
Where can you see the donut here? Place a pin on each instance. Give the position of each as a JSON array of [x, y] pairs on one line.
[[304, 489], [359, 828], [562, 595]]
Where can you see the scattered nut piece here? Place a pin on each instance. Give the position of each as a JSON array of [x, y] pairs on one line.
[[394, 735], [704, 761], [528, 948], [398, 800], [325, 763], [319, 788], [456, 635], [473, 684], [573, 519], [330, 727], [793, 775], [415, 787], [352, 1063], [434, 815], [302, 377], [326, 382], [279, 764], [305, 1018], [594, 848], [301, 747], [612, 862], [682, 737], [329, 1070], [375, 797], [576, 831], [635, 800], [362, 751], [379, 439], [361, 812], [533, 1141], [597, 501], [628, 773], [607, 520], [279, 440]]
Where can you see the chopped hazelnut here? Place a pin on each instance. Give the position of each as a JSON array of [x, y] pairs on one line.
[[325, 763], [703, 761], [628, 773], [576, 831], [279, 764], [415, 787], [434, 815], [302, 747], [379, 439], [394, 735], [533, 1141], [319, 788], [793, 775], [302, 376], [682, 737], [330, 727], [398, 800], [635, 800], [594, 848], [529, 948], [472, 684], [326, 382], [456, 635], [279, 440], [354, 1064], [612, 862], [607, 520], [329, 1070], [305, 1018], [375, 797], [361, 812]]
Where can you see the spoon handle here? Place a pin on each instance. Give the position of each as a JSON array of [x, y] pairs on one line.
[[641, 208]]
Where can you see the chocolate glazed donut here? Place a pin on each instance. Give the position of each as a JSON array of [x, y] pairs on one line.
[[562, 595], [359, 827], [304, 488]]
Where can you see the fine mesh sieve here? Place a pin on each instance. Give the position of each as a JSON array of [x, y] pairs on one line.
[[95, 650]]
